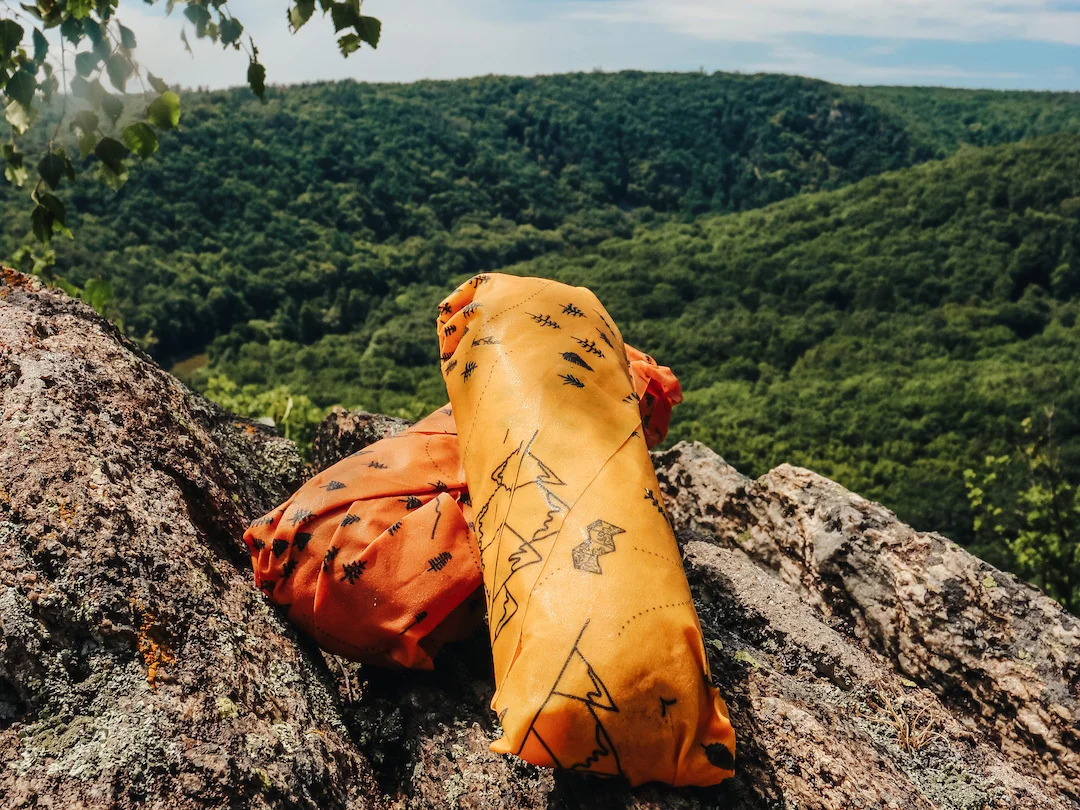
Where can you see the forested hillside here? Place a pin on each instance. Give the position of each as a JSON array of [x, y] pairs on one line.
[[827, 296]]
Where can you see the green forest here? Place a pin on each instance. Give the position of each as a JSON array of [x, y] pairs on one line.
[[881, 284]]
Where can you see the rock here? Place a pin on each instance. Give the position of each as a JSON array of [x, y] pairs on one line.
[[865, 664], [343, 433], [1002, 658], [138, 667]]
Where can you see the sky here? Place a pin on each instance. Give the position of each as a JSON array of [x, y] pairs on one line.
[[1008, 44]]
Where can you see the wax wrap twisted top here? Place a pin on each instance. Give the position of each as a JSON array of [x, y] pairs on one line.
[[599, 659]]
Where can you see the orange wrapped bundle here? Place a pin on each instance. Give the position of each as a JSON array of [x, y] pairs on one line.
[[599, 660], [374, 557]]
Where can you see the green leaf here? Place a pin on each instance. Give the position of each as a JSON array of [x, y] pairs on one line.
[[18, 116], [343, 16], [53, 205], [71, 30], [141, 139], [86, 120], [15, 171], [256, 77], [156, 83], [112, 153], [21, 87], [41, 47], [34, 11], [80, 9], [348, 44], [127, 37], [199, 17], [112, 106], [301, 13], [119, 69], [42, 224], [231, 31], [52, 169], [369, 30], [96, 34], [11, 34], [187, 45], [87, 141], [86, 62], [114, 179], [164, 111]]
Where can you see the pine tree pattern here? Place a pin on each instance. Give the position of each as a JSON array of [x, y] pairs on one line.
[[353, 571], [328, 560], [439, 561], [301, 540]]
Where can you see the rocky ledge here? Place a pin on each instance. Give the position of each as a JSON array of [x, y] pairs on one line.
[[867, 665]]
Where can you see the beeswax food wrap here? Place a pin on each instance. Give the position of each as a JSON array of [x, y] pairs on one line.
[[599, 659]]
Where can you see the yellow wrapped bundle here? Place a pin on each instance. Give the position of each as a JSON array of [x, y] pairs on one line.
[[599, 659]]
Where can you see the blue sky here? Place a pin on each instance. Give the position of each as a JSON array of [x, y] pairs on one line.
[[1026, 44]]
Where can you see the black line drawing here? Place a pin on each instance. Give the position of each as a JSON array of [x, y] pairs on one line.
[[599, 540], [287, 569], [578, 681], [570, 309], [439, 561], [378, 465], [651, 496], [570, 379], [438, 515], [470, 309], [445, 356], [301, 540], [470, 367], [351, 519], [419, 618], [392, 530], [605, 338], [280, 546], [589, 346], [719, 756], [544, 320], [450, 366], [521, 475], [606, 323], [328, 560], [411, 502], [449, 330], [664, 703], [445, 308], [332, 486], [476, 281], [353, 571], [632, 398], [487, 340], [439, 486], [300, 516], [575, 358]]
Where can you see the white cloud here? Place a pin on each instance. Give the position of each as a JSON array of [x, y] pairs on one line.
[[769, 20]]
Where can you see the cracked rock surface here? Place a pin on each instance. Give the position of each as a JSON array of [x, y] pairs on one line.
[[866, 665]]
